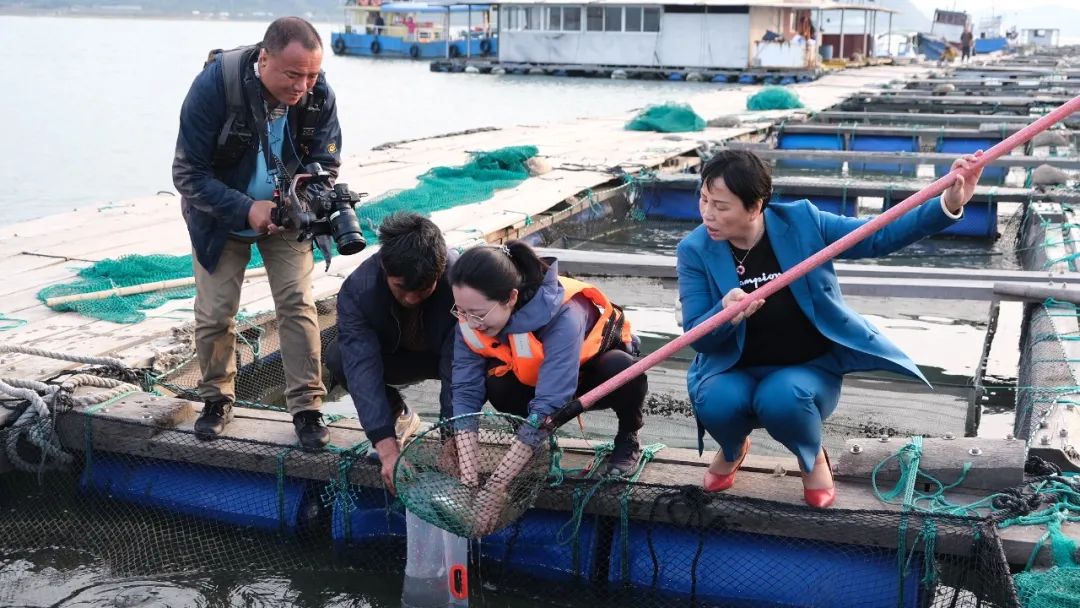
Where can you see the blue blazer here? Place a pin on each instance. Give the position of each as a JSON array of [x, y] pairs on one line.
[[796, 231]]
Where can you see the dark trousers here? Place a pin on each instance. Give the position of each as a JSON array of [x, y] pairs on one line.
[[965, 53], [399, 369], [510, 396]]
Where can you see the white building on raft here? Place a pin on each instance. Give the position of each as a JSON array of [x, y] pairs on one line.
[[683, 34]]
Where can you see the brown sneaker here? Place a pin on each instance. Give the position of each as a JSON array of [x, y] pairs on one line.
[[406, 425]]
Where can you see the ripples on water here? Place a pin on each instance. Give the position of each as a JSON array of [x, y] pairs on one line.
[[60, 578]]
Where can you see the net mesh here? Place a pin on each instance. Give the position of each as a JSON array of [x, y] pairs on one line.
[[269, 512], [667, 118], [463, 494]]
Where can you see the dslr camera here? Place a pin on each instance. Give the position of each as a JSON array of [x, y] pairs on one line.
[[310, 205]]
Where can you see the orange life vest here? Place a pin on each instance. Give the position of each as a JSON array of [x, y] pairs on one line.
[[523, 354]]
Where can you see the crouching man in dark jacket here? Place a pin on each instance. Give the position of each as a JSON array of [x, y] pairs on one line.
[[395, 328]]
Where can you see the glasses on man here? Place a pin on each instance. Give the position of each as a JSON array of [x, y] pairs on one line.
[[470, 318]]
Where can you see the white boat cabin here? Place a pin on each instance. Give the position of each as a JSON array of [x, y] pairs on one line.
[[711, 34]]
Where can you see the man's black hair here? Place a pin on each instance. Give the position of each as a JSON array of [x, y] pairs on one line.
[[286, 30], [743, 172], [412, 248]]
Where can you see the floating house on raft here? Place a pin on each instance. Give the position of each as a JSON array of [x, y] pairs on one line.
[[416, 30], [717, 39], [1041, 38]]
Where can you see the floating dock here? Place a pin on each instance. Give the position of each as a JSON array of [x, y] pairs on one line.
[[125, 443]]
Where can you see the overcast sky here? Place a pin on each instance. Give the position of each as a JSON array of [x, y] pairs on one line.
[[981, 6]]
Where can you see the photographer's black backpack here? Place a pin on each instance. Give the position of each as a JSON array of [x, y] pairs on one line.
[[237, 135]]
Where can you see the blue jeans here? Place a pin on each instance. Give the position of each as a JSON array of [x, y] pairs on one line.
[[791, 402]]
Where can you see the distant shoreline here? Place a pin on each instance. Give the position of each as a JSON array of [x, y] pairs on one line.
[[11, 11]]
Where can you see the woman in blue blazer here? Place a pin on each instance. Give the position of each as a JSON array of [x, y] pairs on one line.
[[781, 363]]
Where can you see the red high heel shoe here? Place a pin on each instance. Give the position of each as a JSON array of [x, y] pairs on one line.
[[719, 483], [823, 498]]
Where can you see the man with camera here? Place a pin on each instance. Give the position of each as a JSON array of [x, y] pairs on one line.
[[252, 118], [395, 328]]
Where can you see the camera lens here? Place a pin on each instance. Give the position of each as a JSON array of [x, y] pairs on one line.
[[345, 227], [348, 244]]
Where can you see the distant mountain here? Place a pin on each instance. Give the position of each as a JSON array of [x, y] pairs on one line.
[[235, 8]]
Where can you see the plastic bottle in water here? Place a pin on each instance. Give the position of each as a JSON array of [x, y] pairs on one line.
[[436, 574]]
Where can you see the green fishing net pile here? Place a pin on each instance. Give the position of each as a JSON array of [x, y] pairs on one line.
[[774, 98], [667, 118], [446, 187]]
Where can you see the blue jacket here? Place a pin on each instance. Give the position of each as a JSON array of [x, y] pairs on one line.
[[368, 327], [796, 231], [560, 327], [213, 200]]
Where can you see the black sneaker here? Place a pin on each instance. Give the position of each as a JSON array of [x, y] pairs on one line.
[[625, 455], [311, 430], [216, 413]]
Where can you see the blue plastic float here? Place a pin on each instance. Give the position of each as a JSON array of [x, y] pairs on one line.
[[531, 546], [884, 143], [742, 569], [810, 141], [237, 497], [365, 516], [839, 205], [969, 145]]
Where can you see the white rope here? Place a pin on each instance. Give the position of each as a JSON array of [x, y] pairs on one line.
[[52, 354], [41, 432]]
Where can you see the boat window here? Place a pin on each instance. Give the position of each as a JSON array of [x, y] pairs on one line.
[[633, 18], [571, 18], [515, 18], [594, 18], [554, 18], [613, 18], [651, 19], [534, 18]]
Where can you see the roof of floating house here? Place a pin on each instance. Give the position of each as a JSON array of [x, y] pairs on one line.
[[423, 7], [795, 4]]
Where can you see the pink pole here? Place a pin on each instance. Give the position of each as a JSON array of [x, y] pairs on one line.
[[937, 187]]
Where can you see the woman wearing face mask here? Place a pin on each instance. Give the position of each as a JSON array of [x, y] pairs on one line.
[[529, 342], [780, 364]]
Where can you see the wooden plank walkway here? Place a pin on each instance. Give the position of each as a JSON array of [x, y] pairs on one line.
[[41, 252]]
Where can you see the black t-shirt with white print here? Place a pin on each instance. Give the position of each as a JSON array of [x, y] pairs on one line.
[[779, 333]]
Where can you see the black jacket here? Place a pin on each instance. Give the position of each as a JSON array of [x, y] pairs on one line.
[[369, 328]]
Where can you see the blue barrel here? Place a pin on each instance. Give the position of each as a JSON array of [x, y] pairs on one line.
[[980, 221], [833, 204], [365, 516], [883, 143], [531, 547], [742, 569], [810, 141], [826, 52], [240, 498], [969, 145], [670, 203]]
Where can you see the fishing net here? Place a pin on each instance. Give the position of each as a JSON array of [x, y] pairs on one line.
[[141, 499], [446, 187], [774, 98], [667, 118], [440, 188], [149, 504], [448, 475]]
